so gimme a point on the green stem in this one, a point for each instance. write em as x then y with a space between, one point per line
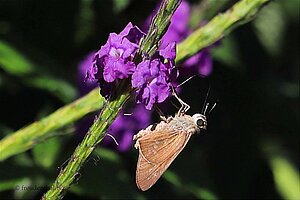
241 13
159 26
36 132
82 152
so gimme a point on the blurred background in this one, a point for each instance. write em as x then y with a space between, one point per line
251 147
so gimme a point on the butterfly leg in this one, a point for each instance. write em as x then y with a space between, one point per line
165 119
161 115
137 145
184 106
169 119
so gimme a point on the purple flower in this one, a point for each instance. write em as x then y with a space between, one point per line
84 86
202 59
115 58
83 66
125 126
169 52
153 78
178 30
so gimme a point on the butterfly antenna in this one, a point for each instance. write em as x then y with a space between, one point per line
185 81
212 108
204 108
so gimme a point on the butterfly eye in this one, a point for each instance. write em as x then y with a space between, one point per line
200 122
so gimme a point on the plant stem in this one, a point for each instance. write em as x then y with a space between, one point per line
36 132
159 26
241 13
82 152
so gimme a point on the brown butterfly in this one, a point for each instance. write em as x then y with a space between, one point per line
160 144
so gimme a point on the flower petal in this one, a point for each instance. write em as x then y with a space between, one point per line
169 52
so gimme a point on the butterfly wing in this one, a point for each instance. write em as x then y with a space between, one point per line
162 143
156 152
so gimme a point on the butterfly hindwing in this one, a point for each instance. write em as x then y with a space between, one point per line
157 152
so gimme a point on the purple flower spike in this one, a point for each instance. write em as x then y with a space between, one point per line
153 78
115 58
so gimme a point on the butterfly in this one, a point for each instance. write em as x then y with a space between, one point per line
160 144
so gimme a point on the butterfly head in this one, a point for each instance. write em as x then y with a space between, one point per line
200 120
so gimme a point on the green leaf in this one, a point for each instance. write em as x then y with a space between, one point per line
120 5
11 184
201 193
14 62
85 21
270 26
46 152
227 53
172 178
23 160
289 89
59 88
286 177
19 189
107 154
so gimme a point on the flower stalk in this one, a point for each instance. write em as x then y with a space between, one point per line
158 27
82 152
37 132
241 13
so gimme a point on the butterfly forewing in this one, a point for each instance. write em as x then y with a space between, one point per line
157 151
157 147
